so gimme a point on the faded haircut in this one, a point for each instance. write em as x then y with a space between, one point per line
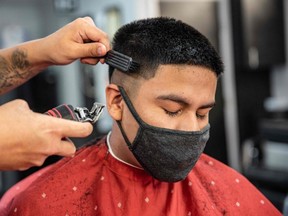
161 41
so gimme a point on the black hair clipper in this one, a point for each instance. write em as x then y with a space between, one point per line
81 114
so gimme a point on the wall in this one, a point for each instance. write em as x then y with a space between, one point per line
279 75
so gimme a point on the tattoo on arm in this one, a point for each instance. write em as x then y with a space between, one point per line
14 70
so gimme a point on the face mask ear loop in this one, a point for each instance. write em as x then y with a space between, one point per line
130 106
124 135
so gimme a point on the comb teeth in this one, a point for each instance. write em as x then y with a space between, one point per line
121 61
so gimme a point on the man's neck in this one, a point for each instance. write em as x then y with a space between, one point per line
118 155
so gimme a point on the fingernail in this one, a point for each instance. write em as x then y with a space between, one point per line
100 50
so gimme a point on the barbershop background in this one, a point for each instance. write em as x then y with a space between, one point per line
250 121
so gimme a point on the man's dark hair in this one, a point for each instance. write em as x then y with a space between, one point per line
160 41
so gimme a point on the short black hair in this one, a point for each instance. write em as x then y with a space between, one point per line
162 40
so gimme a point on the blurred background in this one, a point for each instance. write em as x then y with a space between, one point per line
249 123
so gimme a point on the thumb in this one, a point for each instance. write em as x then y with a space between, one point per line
94 49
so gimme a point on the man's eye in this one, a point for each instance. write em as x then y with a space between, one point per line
202 117
172 114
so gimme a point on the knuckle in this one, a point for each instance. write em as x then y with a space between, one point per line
24 167
89 19
83 21
21 103
39 162
79 20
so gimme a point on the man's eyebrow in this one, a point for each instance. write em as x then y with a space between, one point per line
207 106
175 98
183 101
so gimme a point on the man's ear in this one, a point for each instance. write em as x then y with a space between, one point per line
114 102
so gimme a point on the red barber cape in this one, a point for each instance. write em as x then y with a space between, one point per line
95 183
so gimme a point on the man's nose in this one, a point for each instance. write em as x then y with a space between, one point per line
189 124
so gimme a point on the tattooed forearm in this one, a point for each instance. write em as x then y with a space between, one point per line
14 70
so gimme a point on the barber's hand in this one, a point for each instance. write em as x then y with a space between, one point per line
28 138
78 39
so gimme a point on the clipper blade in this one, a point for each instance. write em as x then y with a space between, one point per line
120 61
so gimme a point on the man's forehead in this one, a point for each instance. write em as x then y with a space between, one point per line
181 83
181 74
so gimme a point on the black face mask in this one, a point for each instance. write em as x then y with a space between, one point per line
167 155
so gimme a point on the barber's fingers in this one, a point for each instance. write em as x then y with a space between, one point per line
95 34
94 53
90 61
95 43
66 128
71 129
91 52
65 148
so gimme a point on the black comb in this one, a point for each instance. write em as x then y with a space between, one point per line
120 61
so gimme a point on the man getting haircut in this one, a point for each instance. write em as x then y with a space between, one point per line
152 160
